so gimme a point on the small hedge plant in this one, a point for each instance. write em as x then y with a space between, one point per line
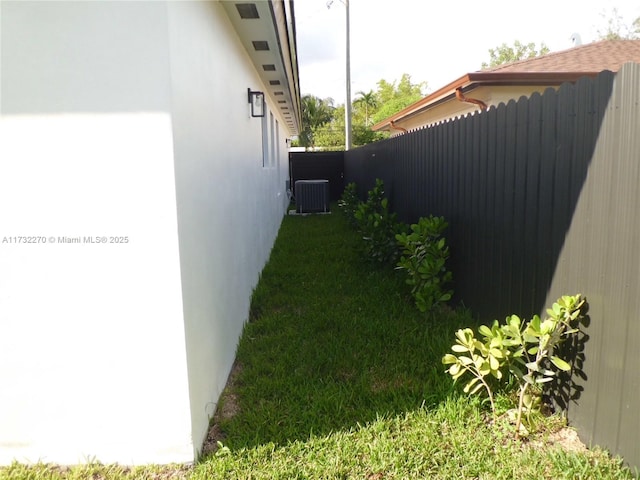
424 255
349 202
526 352
421 252
378 226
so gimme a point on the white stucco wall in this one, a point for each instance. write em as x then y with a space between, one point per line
229 206
124 119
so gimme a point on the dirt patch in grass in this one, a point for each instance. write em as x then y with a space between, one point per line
554 434
565 438
228 407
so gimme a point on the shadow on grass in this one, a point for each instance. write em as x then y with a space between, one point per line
333 341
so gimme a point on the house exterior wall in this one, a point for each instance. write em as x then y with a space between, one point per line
229 204
504 93
124 120
454 108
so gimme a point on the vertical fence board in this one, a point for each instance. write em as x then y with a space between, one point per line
478 184
628 442
562 180
548 159
623 257
532 190
499 224
519 206
489 191
509 220
466 172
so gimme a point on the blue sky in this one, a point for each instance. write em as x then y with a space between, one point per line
436 42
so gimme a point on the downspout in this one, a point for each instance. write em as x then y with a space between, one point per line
393 125
460 96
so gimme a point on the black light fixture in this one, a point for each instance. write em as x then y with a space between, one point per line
256 99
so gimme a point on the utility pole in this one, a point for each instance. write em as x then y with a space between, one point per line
347 102
347 105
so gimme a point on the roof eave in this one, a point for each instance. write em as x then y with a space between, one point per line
474 79
422 104
274 24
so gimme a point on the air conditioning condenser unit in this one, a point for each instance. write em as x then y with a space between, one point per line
312 196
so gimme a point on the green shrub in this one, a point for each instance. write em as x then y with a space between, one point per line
349 202
424 255
378 226
515 350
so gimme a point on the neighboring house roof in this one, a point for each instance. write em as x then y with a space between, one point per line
530 75
593 57
267 31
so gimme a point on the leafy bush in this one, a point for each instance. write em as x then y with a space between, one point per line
378 226
349 202
424 254
526 352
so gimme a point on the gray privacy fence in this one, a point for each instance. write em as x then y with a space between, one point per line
506 180
542 197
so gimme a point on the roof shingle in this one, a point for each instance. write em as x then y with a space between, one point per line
591 57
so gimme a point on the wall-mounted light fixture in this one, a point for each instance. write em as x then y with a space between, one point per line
256 99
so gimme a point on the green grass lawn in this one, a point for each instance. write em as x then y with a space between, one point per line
340 377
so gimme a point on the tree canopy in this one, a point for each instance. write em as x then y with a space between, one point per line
324 124
316 112
519 51
368 101
617 29
395 96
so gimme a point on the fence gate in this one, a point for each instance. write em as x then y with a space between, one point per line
318 166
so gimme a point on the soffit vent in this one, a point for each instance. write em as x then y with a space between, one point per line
247 10
269 68
274 82
260 45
